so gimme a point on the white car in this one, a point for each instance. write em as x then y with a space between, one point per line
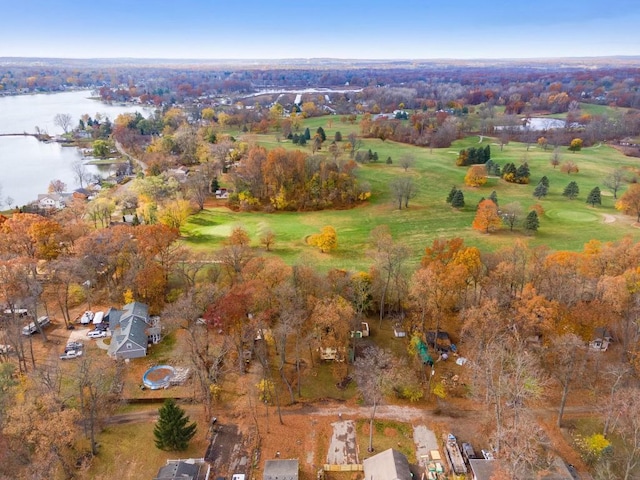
96 334
71 354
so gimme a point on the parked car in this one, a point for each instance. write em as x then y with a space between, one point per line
102 326
96 333
86 317
71 354
74 346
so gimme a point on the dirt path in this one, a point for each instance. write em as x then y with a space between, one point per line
608 218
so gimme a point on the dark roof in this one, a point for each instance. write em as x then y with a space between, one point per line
280 470
178 471
387 465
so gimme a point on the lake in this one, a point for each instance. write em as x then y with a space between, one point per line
29 165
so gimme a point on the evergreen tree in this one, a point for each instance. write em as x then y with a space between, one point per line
531 222
307 134
509 172
487 153
215 185
571 191
494 197
295 139
302 140
540 191
370 155
458 199
389 161
544 181
523 173
375 156
173 430
320 132
338 137
594 197
451 194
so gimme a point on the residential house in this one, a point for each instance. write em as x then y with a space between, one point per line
132 329
601 339
53 201
280 470
481 469
387 465
190 469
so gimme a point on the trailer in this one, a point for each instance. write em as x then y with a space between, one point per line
98 317
31 327
454 456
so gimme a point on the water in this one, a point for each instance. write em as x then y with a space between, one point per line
27 165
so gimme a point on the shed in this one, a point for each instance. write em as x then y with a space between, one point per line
387 465
280 470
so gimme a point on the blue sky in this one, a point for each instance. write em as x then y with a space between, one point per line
247 29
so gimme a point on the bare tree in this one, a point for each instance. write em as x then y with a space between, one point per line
403 189
80 172
374 372
628 429
566 362
406 161
511 214
63 120
614 181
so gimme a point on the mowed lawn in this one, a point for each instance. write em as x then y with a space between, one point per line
565 225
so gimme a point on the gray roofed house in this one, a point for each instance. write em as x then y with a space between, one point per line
178 471
130 328
280 470
387 465
481 469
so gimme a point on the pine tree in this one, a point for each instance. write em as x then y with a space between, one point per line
540 191
375 156
594 197
544 181
487 153
320 131
173 430
532 223
523 173
494 197
215 185
389 161
458 199
452 192
307 134
338 137
571 191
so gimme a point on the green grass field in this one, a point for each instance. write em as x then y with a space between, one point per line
566 224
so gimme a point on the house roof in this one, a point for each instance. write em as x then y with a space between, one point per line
129 328
280 470
178 471
482 469
387 465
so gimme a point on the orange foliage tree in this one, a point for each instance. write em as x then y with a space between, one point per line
487 218
476 176
629 202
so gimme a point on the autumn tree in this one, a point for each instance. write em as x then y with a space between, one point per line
403 189
571 191
594 197
326 240
555 157
629 201
569 167
236 252
406 162
173 430
267 239
56 186
487 219
476 176
575 145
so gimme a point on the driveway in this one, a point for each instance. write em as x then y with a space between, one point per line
80 335
343 449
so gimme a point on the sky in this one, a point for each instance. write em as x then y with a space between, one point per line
279 29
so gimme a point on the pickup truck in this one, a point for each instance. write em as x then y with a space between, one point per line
71 354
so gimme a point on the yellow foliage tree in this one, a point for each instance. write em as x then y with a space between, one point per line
326 240
629 202
476 176
128 296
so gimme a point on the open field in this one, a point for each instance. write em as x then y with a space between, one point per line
565 225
